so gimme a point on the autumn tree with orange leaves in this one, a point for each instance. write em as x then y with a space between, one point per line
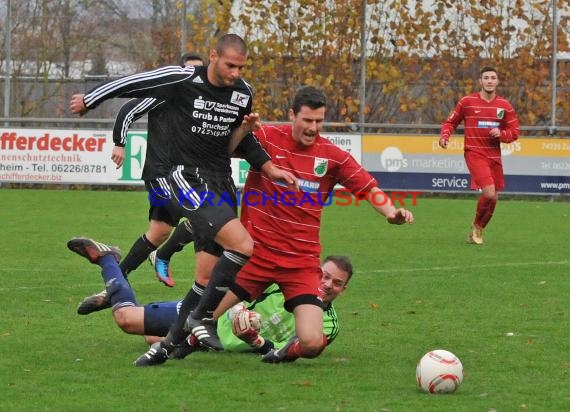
421 56
420 59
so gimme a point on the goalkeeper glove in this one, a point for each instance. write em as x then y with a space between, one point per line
246 325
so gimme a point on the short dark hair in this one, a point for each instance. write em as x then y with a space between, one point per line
487 69
190 56
233 41
343 263
309 96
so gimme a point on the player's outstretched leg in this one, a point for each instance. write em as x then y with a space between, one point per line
199 321
118 291
92 250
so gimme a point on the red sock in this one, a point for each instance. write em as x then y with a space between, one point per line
489 214
295 351
482 210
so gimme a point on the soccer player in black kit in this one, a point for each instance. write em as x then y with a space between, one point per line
155 172
210 112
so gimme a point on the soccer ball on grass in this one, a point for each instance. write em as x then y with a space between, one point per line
439 371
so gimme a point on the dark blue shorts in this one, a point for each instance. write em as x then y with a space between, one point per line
159 316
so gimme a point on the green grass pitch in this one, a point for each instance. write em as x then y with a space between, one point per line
416 288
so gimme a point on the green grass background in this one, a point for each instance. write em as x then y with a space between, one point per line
416 288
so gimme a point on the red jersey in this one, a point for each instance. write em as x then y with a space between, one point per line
480 116
285 224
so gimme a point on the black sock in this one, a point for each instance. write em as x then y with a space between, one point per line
181 236
176 333
137 255
196 294
222 277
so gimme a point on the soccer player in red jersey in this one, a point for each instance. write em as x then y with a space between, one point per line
285 225
488 119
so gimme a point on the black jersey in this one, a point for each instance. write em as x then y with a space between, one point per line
202 115
157 163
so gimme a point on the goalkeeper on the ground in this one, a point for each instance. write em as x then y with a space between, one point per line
258 326
264 323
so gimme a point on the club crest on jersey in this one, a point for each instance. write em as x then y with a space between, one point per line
240 99
320 167
500 113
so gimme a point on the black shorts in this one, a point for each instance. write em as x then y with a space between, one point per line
159 189
208 246
207 200
204 245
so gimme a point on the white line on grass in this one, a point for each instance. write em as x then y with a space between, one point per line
395 271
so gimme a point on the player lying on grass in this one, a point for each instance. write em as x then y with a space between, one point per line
260 326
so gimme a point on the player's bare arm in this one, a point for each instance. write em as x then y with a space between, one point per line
251 122
77 105
118 155
393 216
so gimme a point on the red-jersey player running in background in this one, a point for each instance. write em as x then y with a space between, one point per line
488 119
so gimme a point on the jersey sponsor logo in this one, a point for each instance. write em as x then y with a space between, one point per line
220 110
308 185
197 79
199 103
320 167
240 99
304 184
484 124
500 113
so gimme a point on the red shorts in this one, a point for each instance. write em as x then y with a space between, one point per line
484 171
299 286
